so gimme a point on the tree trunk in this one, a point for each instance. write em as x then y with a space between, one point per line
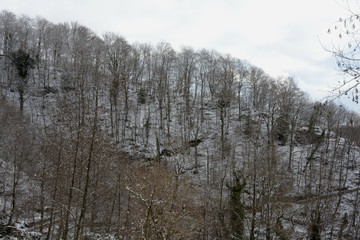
87 176
21 97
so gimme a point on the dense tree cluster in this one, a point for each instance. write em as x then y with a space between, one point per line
135 141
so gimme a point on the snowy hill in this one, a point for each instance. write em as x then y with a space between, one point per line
121 141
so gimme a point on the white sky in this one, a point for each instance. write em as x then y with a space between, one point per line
281 36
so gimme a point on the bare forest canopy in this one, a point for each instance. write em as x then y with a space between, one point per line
104 139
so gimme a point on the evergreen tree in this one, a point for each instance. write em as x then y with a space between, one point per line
22 63
315 227
237 208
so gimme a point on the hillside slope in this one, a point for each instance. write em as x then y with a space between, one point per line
137 141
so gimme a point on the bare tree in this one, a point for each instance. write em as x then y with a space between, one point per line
18 152
344 45
8 23
118 52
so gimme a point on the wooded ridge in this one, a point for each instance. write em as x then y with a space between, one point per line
104 139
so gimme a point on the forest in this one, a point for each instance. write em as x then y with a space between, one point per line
105 139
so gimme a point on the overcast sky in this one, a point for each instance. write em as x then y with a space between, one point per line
280 36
